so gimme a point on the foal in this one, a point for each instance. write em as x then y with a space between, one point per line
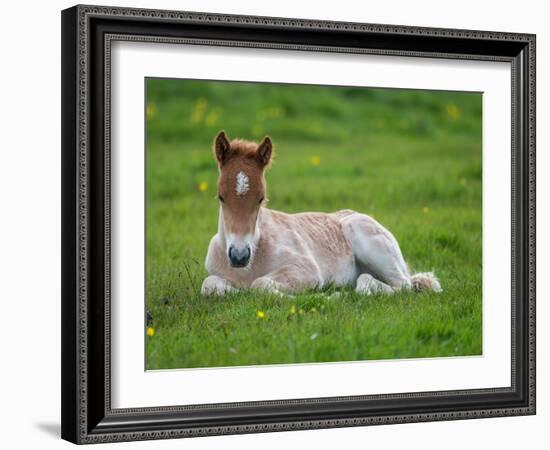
268 250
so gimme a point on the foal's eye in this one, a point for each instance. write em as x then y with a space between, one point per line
220 198
261 200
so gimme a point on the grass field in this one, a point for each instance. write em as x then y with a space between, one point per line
411 159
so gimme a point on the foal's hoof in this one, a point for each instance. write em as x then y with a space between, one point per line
214 285
368 285
269 286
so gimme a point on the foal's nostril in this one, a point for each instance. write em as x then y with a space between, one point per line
239 258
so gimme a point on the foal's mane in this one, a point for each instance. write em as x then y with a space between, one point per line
241 147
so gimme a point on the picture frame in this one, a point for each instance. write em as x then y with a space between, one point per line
87 366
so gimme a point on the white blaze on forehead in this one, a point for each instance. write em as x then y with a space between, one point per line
242 186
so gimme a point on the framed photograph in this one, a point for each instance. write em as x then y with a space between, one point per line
279 224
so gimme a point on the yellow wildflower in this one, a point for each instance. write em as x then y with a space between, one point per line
150 331
260 315
452 111
151 111
199 110
211 118
293 309
315 160
203 186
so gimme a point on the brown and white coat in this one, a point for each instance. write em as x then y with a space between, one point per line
259 248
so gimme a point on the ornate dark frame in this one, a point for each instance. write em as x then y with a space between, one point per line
87 33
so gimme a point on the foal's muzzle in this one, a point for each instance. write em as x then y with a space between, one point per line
239 257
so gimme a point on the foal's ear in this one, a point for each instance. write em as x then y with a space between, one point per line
265 151
222 147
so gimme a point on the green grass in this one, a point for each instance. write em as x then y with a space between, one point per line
411 159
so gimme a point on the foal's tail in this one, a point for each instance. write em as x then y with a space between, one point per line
426 281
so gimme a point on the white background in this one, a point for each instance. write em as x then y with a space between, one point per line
133 387
30 237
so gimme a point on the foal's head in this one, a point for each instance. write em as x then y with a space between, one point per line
241 192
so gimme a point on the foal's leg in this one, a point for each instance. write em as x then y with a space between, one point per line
214 285
378 256
368 285
289 279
